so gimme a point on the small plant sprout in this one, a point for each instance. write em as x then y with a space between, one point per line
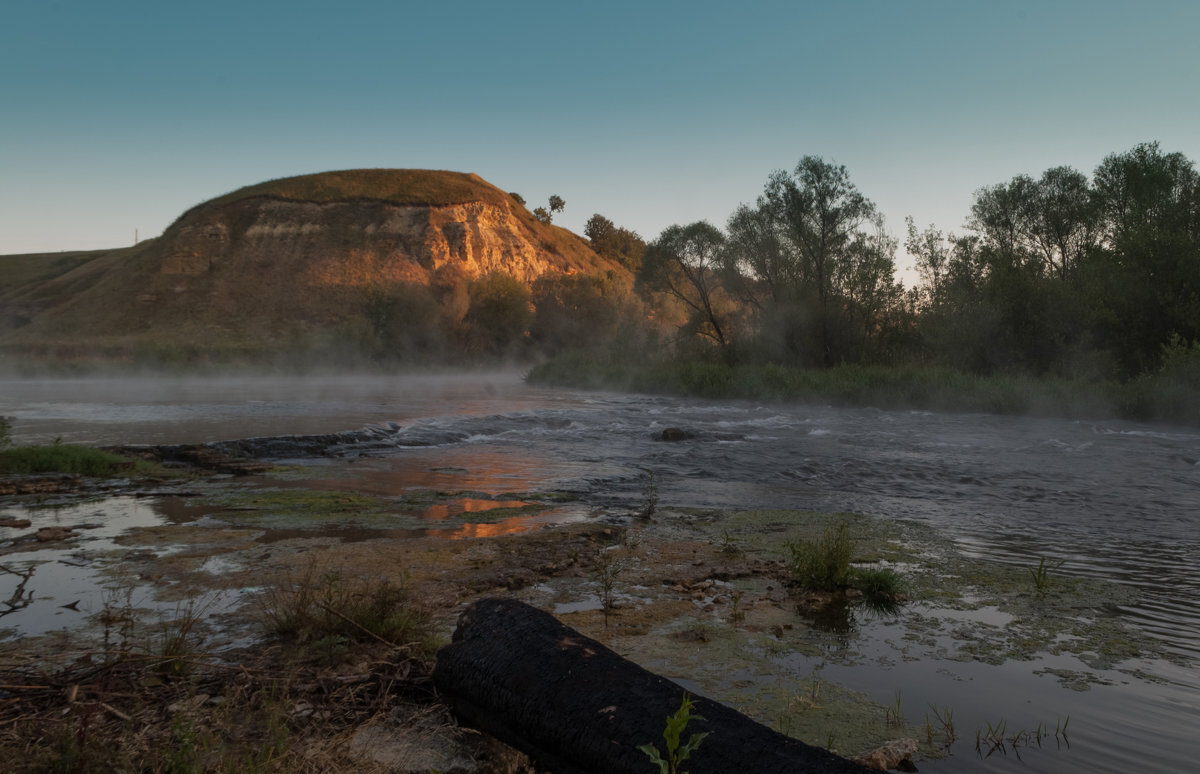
676 753
1041 576
891 713
945 718
649 496
736 613
607 569
729 545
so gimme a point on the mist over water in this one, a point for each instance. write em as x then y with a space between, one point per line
1110 500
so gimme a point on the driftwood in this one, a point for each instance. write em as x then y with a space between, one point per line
576 707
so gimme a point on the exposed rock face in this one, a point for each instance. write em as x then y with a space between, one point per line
287 262
351 243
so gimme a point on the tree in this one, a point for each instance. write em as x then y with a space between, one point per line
542 215
813 256
580 311
1148 282
615 243
556 203
685 263
931 254
500 312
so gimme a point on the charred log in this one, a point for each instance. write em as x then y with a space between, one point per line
576 707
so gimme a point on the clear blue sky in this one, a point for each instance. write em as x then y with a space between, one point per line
116 116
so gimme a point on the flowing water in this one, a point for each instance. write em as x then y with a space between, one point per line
1109 500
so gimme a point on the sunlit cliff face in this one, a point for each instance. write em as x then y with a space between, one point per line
354 244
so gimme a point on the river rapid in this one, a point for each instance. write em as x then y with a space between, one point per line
1107 500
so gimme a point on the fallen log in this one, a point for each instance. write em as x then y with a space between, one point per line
576 707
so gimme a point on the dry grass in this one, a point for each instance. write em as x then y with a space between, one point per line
398 186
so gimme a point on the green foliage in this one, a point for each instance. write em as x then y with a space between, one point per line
499 315
879 583
405 323
64 458
1041 575
677 754
580 312
611 241
813 258
823 564
5 432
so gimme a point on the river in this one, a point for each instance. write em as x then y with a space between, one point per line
1107 500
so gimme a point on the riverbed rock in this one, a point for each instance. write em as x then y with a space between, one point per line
53 534
675 434
897 754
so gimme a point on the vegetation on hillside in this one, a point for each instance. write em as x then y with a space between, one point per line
398 186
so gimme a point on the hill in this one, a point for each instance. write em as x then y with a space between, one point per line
285 265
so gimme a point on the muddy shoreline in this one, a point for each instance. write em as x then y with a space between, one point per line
702 597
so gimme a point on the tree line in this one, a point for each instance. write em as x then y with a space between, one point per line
1062 275
1066 275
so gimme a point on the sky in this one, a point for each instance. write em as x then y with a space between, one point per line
116 117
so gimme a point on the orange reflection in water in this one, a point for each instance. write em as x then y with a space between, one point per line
513 526
441 511
468 469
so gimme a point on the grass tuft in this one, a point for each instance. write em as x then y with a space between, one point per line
332 611
823 564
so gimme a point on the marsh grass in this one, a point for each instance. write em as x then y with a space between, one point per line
878 584
823 564
1041 575
64 458
332 610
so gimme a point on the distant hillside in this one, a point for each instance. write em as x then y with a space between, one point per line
286 264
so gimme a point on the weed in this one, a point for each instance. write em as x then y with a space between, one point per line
332 611
892 716
998 738
1041 576
945 718
676 753
729 545
736 613
607 569
649 496
823 564
179 641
